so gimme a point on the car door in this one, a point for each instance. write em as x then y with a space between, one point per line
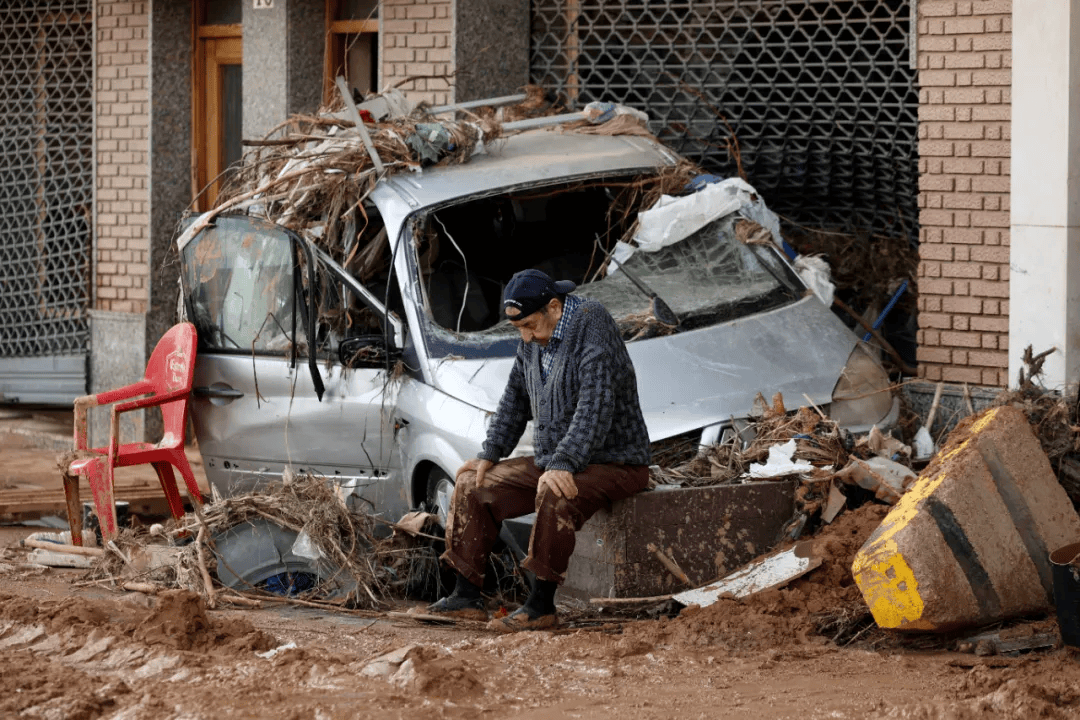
257 407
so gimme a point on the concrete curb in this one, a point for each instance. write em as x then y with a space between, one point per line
42 439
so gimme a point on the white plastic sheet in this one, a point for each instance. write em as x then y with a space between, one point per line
779 463
673 219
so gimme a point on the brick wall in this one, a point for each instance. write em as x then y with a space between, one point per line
964 131
417 40
122 105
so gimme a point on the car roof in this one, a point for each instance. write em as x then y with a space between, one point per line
539 157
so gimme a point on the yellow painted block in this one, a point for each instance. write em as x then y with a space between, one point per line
966 544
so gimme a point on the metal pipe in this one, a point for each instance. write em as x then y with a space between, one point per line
469 105
543 121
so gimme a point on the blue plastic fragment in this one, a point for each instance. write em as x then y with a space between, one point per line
701 181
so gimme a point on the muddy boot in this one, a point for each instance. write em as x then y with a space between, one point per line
538 612
465 603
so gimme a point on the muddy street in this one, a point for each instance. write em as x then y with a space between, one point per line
78 650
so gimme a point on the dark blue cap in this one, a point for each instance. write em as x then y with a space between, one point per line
530 290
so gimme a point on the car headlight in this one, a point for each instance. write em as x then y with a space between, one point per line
862 396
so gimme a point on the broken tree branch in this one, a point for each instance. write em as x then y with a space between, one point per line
630 600
69 549
669 563
201 557
932 415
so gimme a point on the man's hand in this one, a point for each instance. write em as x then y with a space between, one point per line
560 482
479 466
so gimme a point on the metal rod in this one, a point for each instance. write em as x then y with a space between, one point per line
354 114
490 102
543 121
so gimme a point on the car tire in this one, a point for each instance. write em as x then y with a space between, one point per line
440 488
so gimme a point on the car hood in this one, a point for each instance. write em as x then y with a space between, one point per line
706 376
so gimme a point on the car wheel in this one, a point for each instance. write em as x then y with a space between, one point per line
439 491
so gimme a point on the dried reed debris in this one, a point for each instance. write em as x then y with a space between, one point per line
375 569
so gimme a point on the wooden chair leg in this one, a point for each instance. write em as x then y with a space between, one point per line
104 503
74 507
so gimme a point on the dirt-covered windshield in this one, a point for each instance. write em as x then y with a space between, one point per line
468 252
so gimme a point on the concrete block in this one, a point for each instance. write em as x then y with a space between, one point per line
969 544
709 531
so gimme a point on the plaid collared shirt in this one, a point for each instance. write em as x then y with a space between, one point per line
548 352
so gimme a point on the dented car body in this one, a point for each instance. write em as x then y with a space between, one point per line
385 379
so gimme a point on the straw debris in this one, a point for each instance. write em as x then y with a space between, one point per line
1054 418
379 568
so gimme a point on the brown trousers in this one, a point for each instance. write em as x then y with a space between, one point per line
509 491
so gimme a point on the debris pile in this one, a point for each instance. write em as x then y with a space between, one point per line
805 444
1054 419
873 275
351 566
312 173
822 602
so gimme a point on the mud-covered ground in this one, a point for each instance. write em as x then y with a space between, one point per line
82 651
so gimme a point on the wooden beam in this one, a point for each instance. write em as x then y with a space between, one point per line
354 27
219 31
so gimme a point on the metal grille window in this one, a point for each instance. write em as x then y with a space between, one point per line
819 93
46 178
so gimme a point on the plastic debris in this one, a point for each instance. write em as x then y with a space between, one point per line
280 649
780 463
601 112
429 142
817 276
765 573
888 480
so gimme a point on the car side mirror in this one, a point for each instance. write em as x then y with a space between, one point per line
366 351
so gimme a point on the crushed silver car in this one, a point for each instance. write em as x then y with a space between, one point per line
385 379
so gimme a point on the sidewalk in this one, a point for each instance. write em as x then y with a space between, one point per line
44 429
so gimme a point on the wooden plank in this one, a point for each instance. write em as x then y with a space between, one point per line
354 27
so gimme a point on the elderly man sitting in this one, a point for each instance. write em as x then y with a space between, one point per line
572 375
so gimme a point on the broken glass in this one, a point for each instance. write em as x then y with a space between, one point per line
238 276
467 253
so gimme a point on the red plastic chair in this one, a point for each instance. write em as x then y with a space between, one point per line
168 382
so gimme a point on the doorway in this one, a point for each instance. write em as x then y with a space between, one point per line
218 96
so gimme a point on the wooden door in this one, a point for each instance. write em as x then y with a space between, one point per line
219 104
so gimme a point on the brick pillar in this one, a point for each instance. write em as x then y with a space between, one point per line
122 106
964 57
121 216
1046 188
417 40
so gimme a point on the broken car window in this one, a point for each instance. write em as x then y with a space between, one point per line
467 252
239 280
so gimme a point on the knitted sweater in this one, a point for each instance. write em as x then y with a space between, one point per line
587 412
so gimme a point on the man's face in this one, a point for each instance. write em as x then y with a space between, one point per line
538 326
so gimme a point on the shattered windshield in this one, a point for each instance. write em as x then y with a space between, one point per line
703 276
238 279
468 252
